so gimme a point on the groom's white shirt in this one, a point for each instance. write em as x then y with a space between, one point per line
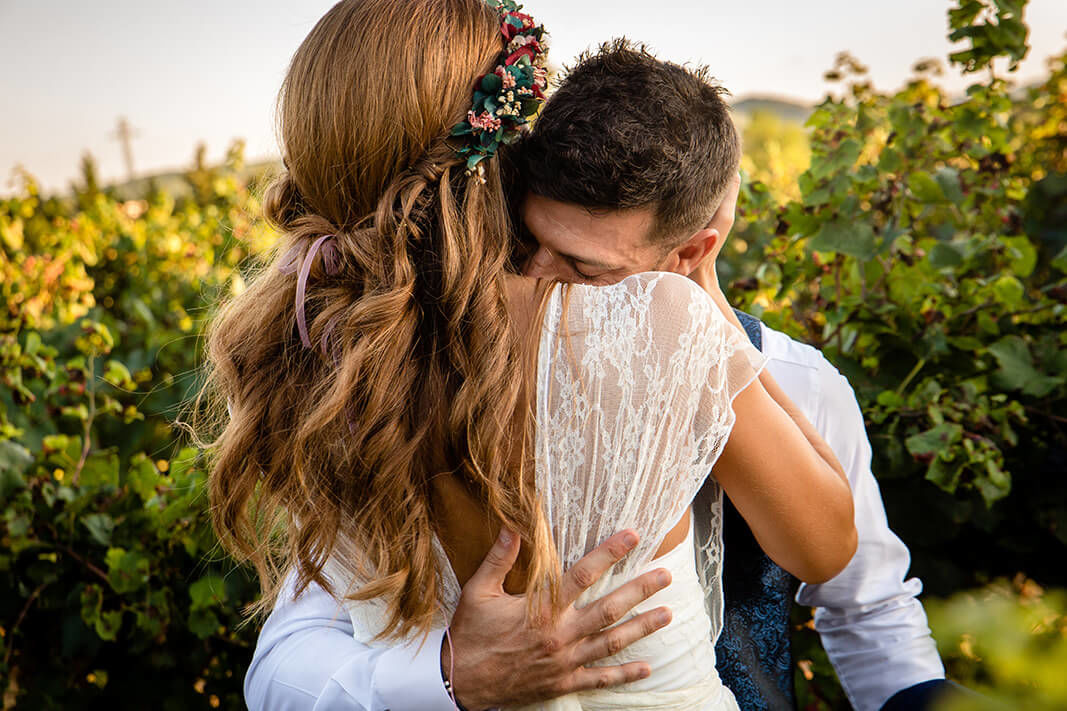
868 617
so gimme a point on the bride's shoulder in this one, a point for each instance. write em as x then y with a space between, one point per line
663 292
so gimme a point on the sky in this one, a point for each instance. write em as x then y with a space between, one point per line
209 71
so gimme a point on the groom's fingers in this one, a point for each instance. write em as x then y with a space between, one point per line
497 564
613 607
607 677
594 564
614 640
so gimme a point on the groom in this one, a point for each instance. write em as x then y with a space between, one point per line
625 166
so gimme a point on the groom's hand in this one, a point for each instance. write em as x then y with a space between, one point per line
502 658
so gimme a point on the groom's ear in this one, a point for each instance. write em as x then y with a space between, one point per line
686 257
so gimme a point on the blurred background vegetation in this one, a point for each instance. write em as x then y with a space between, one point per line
919 239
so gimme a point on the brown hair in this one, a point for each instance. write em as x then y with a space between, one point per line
627 130
333 456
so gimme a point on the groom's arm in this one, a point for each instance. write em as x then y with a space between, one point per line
870 622
307 659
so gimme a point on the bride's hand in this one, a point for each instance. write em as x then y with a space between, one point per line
504 659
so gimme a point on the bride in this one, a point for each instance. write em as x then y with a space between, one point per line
399 394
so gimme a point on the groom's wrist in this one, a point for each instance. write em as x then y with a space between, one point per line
447 667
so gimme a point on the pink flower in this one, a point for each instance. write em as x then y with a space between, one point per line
506 79
540 77
483 122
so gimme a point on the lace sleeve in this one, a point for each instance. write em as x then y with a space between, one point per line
635 389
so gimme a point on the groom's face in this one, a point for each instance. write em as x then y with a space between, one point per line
572 243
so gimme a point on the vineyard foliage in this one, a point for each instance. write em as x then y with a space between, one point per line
923 248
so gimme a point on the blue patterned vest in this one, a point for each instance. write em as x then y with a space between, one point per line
753 654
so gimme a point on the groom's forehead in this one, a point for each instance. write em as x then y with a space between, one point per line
555 220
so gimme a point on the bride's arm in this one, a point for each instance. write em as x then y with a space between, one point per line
781 475
787 484
779 396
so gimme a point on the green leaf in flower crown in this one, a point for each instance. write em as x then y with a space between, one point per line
462 129
491 83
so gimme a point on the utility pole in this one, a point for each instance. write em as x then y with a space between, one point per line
123 134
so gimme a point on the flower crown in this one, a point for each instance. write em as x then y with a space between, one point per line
506 98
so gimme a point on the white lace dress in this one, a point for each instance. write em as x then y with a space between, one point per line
635 383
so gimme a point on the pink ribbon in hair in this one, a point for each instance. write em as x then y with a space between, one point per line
331 261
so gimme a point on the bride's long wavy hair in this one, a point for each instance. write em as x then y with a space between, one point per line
332 454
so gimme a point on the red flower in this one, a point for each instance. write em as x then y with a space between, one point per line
530 50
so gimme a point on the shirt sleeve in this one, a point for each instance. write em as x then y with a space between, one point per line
307 659
868 617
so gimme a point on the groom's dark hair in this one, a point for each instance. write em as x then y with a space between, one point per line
627 130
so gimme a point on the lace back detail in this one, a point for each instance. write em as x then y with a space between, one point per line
635 385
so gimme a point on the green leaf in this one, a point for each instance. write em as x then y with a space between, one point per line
1022 254
853 238
1060 261
944 473
80 412
208 591
118 375
142 477
33 343
127 570
101 470
1009 291
944 256
108 624
203 623
14 460
891 399
1017 370
183 466
491 83
934 441
995 485
925 188
948 179
100 527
